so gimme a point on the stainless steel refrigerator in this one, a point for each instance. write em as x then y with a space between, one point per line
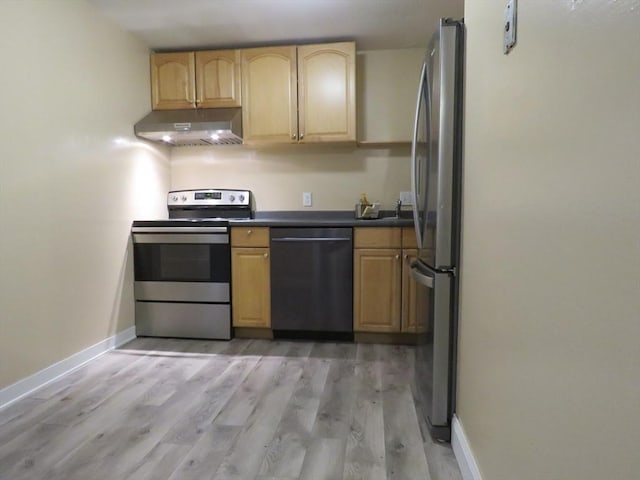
436 179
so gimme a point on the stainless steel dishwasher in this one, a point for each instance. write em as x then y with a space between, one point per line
312 282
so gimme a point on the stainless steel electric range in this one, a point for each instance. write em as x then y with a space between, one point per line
182 266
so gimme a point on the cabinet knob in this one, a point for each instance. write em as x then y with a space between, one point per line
398 257
266 255
294 136
249 232
406 256
301 136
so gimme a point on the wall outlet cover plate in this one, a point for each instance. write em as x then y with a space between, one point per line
406 198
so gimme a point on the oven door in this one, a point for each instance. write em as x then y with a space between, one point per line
182 267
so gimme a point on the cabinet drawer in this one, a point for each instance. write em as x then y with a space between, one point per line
377 237
250 236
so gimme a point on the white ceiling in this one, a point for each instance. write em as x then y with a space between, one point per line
192 24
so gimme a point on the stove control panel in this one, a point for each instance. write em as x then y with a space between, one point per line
209 197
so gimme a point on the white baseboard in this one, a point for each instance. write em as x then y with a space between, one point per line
462 451
39 379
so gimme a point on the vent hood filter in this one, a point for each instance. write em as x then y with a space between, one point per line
211 126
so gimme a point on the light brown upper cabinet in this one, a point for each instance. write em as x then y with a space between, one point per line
172 80
303 94
206 79
269 90
327 92
218 78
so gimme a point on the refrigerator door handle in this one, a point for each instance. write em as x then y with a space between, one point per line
420 277
415 173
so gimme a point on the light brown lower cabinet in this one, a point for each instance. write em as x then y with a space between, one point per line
250 278
251 289
386 298
377 283
414 306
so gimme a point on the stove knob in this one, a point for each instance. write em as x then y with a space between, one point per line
232 198
241 198
174 198
183 198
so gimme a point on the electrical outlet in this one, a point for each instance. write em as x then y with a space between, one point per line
306 199
406 198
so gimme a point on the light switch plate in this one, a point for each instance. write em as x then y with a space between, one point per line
306 199
510 25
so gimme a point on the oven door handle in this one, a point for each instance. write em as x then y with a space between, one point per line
187 238
179 229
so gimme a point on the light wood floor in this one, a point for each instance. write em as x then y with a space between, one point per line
159 409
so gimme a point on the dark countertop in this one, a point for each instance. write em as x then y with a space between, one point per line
318 218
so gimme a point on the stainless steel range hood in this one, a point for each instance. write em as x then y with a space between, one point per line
204 126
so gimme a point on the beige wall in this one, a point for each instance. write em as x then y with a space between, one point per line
71 180
549 358
336 176
387 83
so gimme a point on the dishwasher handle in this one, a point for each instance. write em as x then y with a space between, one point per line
311 239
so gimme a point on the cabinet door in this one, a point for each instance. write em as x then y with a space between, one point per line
172 80
377 283
269 95
327 92
251 287
414 302
218 78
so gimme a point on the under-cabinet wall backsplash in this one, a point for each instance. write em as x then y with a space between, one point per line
335 175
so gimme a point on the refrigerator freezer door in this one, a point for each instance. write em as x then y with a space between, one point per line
433 363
